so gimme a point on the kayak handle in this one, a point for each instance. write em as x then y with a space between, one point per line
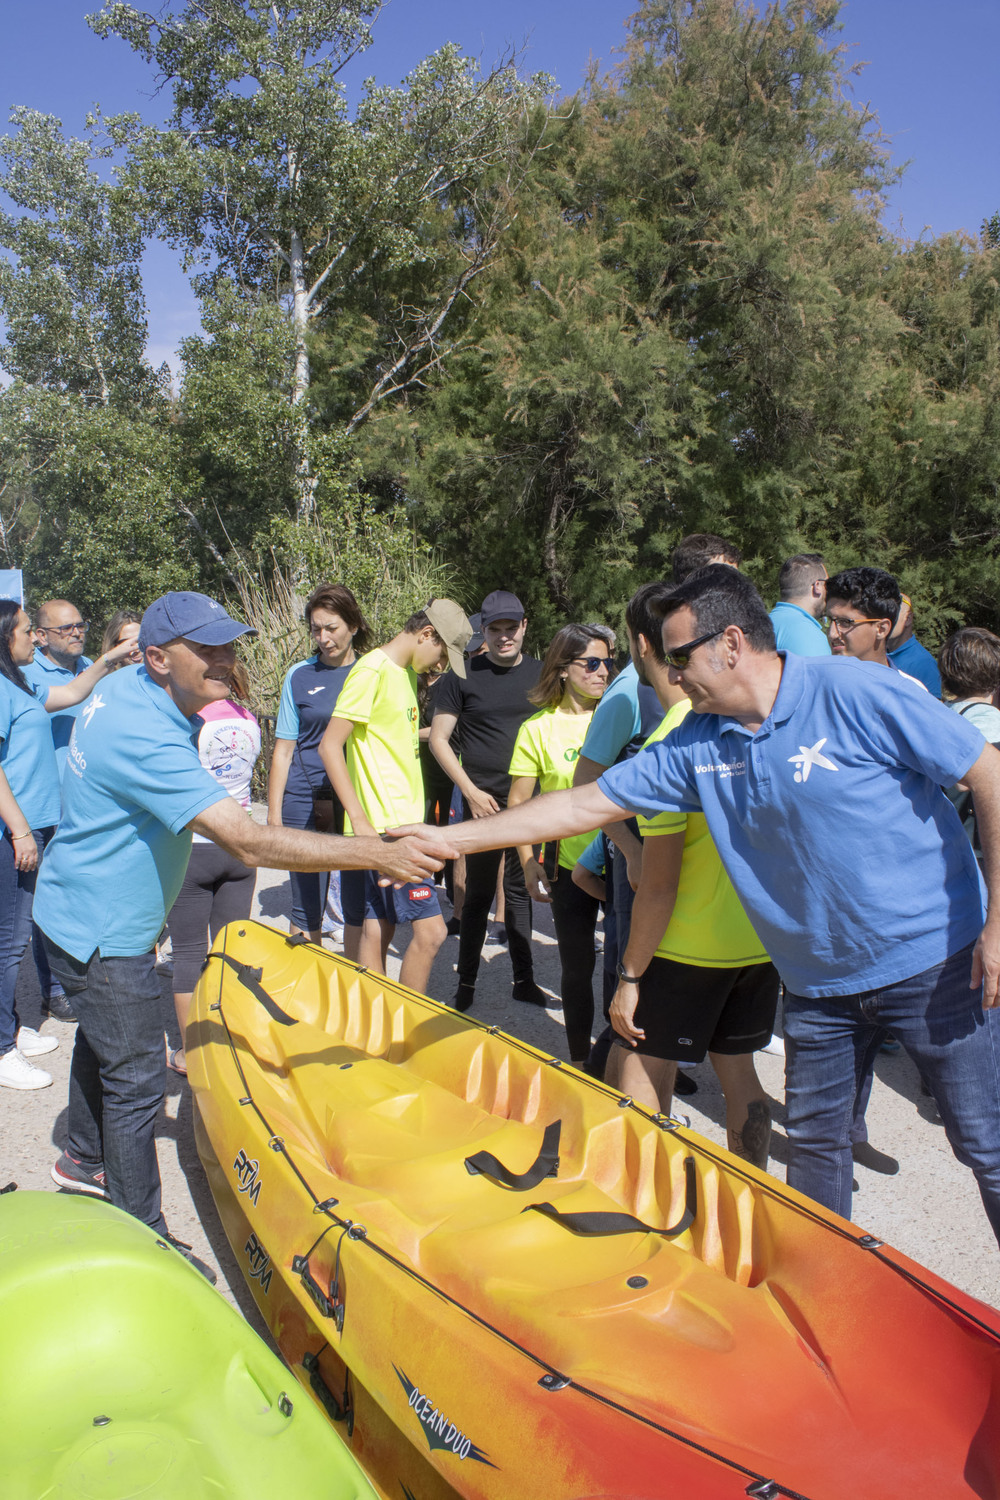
310 1363
599 1223
300 1268
546 1163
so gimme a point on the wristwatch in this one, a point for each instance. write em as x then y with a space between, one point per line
628 978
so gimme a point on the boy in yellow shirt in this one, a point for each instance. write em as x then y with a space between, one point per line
371 751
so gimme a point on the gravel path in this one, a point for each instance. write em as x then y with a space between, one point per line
930 1210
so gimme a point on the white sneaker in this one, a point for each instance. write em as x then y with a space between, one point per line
31 1043
775 1047
16 1072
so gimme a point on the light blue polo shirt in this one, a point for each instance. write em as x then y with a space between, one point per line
27 758
132 783
796 630
628 711
46 674
849 859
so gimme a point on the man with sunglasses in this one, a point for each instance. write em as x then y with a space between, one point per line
821 785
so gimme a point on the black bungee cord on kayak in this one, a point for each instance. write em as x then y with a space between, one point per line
761 1487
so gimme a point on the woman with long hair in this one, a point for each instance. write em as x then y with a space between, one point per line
575 672
29 811
218 888
123 626
299 794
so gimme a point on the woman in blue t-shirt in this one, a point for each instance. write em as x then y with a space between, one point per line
29 811
299 794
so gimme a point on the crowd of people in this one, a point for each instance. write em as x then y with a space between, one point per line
760 823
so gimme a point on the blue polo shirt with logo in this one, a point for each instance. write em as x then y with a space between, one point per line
830 820
133 781
45 674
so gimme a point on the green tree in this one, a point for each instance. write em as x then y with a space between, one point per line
684 331
71 296
262 176
87 473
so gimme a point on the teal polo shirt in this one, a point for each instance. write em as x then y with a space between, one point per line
27 757
796 630
133 781
45 674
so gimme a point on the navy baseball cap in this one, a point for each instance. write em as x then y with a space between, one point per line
501 605
195 617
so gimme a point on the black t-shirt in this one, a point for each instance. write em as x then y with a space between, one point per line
491 704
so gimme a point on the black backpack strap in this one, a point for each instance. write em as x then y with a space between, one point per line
598 1223
250 979
546 1163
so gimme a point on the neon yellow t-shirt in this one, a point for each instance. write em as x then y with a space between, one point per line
548 748
708 927
383 751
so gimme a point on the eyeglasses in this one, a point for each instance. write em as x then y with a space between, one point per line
78 627
681 658
593 663
844 627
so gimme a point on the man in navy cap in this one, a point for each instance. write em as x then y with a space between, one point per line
133 792
487 708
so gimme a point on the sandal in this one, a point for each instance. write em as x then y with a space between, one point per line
172 1063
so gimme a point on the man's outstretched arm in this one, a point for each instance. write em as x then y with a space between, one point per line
983 780
556 815
226 823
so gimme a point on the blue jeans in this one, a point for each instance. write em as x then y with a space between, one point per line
17 892
118 1074
830 1044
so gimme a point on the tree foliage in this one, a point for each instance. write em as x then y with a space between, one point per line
543 340
679 336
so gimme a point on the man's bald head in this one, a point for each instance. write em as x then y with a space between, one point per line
62 632
51 612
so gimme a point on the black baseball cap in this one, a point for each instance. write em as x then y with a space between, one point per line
501 605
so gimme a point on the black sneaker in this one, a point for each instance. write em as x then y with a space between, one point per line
529 993
684 1085
190 1256
68 1173
59 1008
867 1155
453 926
464 996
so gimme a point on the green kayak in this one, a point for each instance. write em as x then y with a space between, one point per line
123 1374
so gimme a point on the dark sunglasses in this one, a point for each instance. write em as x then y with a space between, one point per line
593 663
681 658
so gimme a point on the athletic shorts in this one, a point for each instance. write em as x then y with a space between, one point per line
362 896
687 1011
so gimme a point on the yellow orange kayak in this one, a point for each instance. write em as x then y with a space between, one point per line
503 1279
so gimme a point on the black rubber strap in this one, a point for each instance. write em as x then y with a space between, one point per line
250 979
613 1223
546 1163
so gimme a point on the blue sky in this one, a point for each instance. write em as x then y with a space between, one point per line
931 77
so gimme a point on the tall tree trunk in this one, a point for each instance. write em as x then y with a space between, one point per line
305 480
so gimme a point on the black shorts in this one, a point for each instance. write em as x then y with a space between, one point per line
687 1011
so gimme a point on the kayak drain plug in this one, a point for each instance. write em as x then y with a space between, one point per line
101 1421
